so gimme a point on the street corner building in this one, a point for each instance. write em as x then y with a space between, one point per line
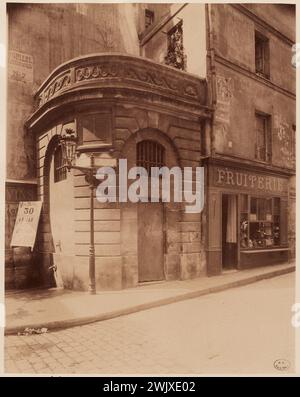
187 85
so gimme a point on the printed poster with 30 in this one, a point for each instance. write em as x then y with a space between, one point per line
24 233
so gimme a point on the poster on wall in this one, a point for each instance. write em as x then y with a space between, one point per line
25 229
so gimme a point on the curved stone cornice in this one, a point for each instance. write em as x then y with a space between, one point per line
119 71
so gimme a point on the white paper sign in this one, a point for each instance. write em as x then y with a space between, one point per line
24 233
20 67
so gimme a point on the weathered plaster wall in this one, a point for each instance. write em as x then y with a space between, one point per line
240 92
239 96
47 35
234 40
284 25
194 35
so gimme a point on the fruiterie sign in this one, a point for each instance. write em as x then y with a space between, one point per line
24 233
231 178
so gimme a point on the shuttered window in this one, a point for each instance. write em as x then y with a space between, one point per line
263 137
262 58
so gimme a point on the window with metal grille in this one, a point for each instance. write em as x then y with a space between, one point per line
175 54
150 154
149 18
262 63
263 137
60 171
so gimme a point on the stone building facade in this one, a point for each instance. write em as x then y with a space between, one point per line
145 78
252 163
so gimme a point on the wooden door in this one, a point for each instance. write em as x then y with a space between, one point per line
150 242
229 231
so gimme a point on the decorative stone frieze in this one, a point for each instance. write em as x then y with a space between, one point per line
121 71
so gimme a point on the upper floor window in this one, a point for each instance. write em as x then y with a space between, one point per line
95 128
262 55
150 154
149 18
263 137
175 54
60 171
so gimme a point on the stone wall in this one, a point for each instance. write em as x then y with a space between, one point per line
154 40
43 36
240 91
115 223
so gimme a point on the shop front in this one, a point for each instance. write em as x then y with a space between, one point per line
247 217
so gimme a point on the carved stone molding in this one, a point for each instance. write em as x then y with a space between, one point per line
119 71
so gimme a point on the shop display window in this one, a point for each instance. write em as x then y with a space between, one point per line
259 222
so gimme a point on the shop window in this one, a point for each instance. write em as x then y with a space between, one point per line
175 54
60 171
150 154
263 137
259 222
149 18
262 61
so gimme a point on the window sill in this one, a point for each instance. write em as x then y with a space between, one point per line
255 251
263 76
267 162
88 147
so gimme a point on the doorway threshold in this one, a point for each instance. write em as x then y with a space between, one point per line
228 271
143 283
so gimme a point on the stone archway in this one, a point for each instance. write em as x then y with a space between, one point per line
57 219
45 236
150 227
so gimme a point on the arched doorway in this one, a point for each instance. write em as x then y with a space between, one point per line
59 214
151 238
150 231
61 197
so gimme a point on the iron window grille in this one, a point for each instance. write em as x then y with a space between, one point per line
150 154
60 170
175 54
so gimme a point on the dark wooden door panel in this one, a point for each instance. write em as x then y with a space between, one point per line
150 242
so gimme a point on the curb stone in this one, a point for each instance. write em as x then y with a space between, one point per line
72 322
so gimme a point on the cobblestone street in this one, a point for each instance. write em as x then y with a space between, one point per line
239 330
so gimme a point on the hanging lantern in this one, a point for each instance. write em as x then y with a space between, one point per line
68 142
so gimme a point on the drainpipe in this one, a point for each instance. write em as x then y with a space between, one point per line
209 123
211 74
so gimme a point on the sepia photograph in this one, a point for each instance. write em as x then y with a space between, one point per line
150 190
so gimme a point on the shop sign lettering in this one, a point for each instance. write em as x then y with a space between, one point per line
245 180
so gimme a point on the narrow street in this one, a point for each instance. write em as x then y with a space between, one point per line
242 330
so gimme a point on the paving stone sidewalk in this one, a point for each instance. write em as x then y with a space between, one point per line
58 308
